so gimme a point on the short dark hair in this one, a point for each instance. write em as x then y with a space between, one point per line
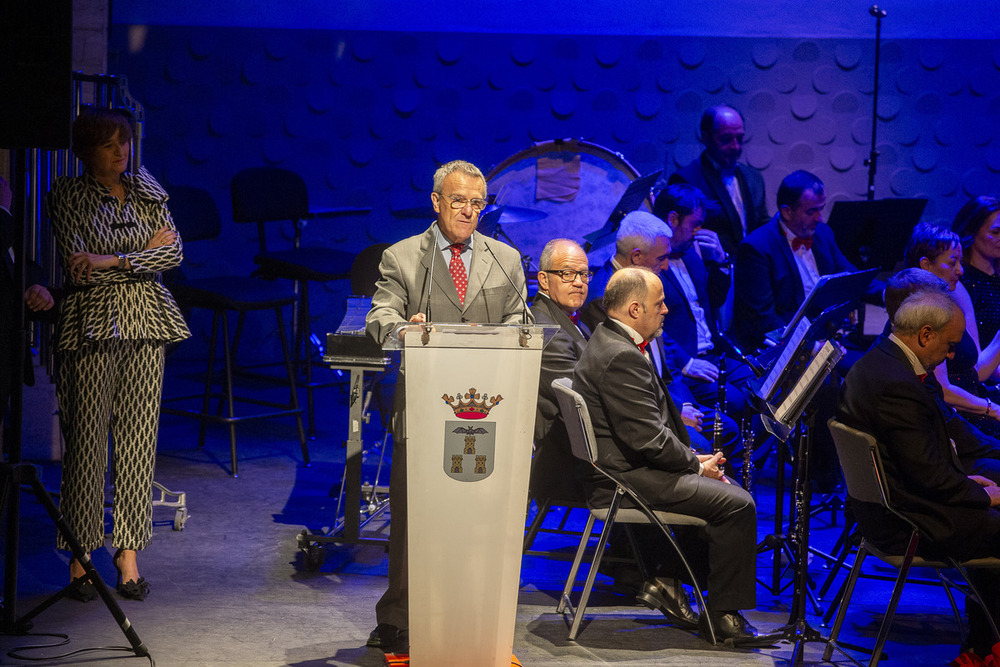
626 285
683 198
706 127
930 241
971 218
791 188
907 282
96 126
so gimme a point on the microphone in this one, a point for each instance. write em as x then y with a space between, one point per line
876 12
430 274
754 365
524 315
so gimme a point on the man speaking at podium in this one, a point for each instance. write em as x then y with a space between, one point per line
450 274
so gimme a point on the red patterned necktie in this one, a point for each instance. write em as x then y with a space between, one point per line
802 243
457 270
574 317
642 346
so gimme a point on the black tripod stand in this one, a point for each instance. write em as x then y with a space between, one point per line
13 476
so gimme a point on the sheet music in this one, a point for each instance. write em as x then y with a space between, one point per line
806 386
767 389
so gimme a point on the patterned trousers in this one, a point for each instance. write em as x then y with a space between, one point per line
110 387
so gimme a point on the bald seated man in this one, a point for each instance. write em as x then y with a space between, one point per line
640 437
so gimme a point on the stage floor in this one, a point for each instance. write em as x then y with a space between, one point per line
232 588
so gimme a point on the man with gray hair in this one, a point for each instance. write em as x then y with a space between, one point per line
885 395
644 241
641 439
449 274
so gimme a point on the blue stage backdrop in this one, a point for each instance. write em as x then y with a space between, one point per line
366 115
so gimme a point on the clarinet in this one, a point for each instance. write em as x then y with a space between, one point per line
720 406
746 429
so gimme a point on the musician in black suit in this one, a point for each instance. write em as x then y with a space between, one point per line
644 240
641 438
737 204
883 395
696 281
562 289
779 263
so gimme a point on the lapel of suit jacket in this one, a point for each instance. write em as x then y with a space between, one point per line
675 284
577 332
699 276
784 251
714 179
443 281
890 348
669 413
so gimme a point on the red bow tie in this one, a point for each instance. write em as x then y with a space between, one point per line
642 346
802 243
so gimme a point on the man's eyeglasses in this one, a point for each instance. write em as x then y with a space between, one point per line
459 202
568 276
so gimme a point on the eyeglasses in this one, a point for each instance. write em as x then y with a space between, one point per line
459 202
568 276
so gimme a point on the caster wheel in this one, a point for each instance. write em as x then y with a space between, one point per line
314 555
180 518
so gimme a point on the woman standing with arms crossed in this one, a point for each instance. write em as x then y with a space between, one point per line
115 237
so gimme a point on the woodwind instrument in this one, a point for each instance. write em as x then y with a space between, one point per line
746 430
720 407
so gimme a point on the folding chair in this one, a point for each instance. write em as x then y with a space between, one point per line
862 465
576 416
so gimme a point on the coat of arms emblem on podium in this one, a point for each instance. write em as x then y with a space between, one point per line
470 442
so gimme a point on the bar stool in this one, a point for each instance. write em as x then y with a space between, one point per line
197 218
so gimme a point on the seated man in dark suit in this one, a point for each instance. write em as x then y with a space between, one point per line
737 205
779 263
883 395
643 240
695 284
641 438
979 452
562 289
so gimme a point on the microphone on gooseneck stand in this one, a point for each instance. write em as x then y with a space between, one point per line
435 251
524 315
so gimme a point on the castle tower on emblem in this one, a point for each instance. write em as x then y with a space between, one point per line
468 449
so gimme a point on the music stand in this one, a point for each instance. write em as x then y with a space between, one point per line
636 193
489 225
784 399
873 234
830 290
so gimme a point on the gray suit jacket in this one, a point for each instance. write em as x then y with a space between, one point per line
406 280
639 431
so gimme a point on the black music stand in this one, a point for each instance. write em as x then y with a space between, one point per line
636 193
489 225
873 234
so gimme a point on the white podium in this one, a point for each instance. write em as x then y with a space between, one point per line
471 392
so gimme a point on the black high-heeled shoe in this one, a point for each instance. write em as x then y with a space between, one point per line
84 592
131 589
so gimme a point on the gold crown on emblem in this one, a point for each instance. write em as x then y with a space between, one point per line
471 405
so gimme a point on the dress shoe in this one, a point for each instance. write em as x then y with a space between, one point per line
669 598
389 638
131 589
728 626
85 592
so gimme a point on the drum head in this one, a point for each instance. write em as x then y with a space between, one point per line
584 206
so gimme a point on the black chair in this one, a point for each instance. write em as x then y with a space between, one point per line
576 416
263 195
862 465
197 219
364 270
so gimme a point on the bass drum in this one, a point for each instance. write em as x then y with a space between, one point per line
530 222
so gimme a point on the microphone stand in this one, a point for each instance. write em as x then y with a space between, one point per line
872 160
